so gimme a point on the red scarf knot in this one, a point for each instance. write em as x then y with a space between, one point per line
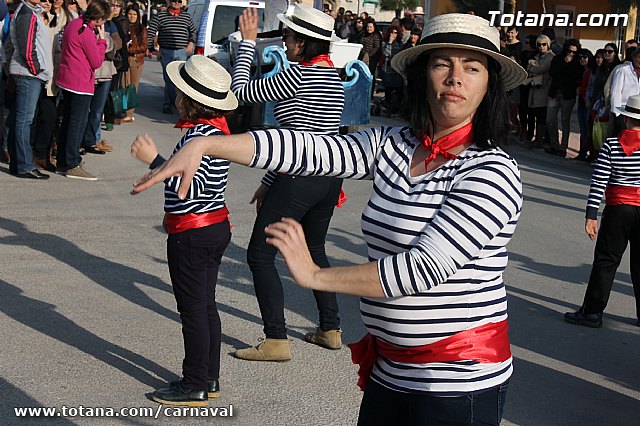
630 141
462 136
320 58
174 12
219 123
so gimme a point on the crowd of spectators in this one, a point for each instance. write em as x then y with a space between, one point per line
60 60
561 75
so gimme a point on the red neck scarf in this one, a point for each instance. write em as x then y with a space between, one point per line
219 123
442 146
630 141
319 58
174 12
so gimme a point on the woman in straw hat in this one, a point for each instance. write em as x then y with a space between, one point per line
445 202
617 179
309 97
197 224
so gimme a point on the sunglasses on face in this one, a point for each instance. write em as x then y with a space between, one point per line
115 5
609 51
571 52
541 44
176 1
583 56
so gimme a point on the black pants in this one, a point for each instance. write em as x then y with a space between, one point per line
45 126
309 200
540 114
74 122
620 224
383 406
194 259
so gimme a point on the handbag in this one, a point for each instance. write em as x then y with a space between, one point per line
116 97
130 99
598 133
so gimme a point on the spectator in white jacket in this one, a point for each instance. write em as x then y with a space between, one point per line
625 82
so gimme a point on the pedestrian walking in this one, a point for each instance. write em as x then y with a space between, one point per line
616 177
445 202
177 39
198 226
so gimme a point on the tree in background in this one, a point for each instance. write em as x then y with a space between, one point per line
399 5
482 7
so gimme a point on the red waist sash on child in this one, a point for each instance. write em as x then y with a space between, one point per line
174 223
629 195
487 343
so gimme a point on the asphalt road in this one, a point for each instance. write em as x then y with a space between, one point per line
87 316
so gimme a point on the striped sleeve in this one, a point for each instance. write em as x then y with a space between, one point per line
202 180
152 31
346 156
482 202
599 181
283 85
26 28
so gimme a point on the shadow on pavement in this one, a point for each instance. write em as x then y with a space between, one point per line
42 317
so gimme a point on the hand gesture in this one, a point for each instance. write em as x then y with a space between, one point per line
288 237
189 49
144 149
183 163
259 196
392 37
249 24
591 226
100 29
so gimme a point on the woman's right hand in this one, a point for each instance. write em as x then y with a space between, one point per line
591 226
183 163
259 196
100 29
249 24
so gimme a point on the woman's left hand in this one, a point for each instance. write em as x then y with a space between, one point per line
288 237
249 24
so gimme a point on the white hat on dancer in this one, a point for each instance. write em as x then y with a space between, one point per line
309 21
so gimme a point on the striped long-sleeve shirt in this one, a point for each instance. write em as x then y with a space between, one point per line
206 192
439 240
174 32
613 168
309 98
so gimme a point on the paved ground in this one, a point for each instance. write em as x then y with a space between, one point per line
87 316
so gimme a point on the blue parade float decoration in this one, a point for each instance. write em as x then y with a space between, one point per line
357 88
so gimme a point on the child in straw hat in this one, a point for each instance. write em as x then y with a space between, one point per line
198 226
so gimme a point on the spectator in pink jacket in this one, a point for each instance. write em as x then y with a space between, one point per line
83 48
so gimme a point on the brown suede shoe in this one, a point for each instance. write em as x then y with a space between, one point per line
331 339
104 146
267 350
43 164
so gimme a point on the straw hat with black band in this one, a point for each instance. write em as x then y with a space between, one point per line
309 21
462 31
203 80
632 108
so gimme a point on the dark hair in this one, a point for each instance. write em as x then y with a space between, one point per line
193 110
390 28
632 122
549 32
629 53
531 39
136 29
512 27
311 47
490 121
97 9
631 41
571 42
591 64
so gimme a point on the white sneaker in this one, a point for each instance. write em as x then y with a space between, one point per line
79 173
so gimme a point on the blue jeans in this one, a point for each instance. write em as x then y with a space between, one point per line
74 122
20 121
383 406
92 131
169 56
585 129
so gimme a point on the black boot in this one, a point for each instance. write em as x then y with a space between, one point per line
179 395
580 318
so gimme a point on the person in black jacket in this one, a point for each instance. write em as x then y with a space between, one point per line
566 74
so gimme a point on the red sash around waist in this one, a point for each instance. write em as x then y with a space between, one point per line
629 195
174 223
488 343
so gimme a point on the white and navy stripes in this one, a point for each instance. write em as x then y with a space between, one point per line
309 98
439 240
174 32
206 192
613 168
